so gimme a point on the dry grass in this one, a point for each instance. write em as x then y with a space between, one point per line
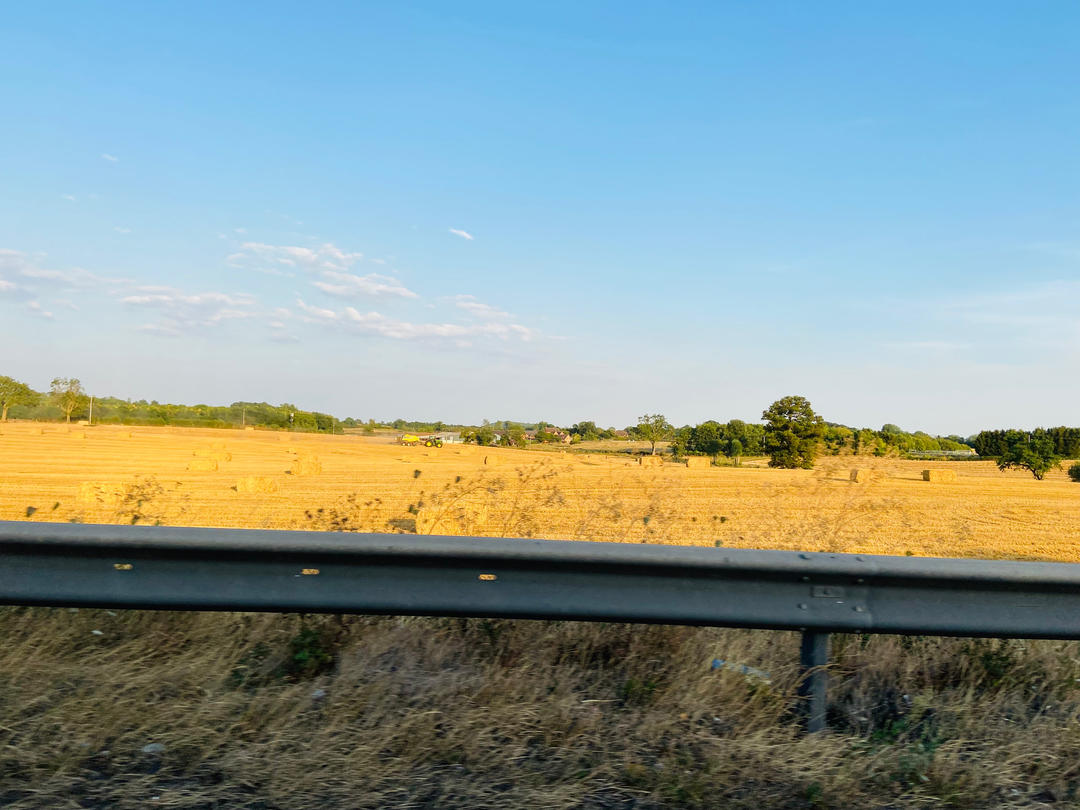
213 453
97 493
302 713
311 712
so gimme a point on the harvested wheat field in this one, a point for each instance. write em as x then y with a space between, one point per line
134 709
190 477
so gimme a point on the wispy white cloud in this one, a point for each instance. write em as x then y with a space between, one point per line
68 197
374 284
173 311
75 278
328 263
118 229
462 234
375 323
109 158
182 313
929 345
36 308
477 309
316 313
11 262
325 257
41 280
170 296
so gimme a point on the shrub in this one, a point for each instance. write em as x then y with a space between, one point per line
1074 472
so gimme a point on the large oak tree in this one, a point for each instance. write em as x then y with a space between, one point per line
792 433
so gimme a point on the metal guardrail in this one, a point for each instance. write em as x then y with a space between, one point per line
288 571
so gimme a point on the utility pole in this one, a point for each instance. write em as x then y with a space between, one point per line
91 419
243 416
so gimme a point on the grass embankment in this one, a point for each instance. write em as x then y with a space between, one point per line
205 711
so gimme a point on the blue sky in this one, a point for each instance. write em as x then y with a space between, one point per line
565 211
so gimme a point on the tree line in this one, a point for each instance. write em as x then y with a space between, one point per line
1037 451
67 399
1063 441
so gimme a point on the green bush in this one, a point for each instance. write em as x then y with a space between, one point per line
1074 472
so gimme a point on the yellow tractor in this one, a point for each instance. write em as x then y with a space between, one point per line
412 440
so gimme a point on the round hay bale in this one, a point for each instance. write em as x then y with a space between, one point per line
939 476
861 476
202 465
257 484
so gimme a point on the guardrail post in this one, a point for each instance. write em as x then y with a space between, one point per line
814 657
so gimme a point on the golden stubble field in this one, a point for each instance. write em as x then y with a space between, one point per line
134 709
260 479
